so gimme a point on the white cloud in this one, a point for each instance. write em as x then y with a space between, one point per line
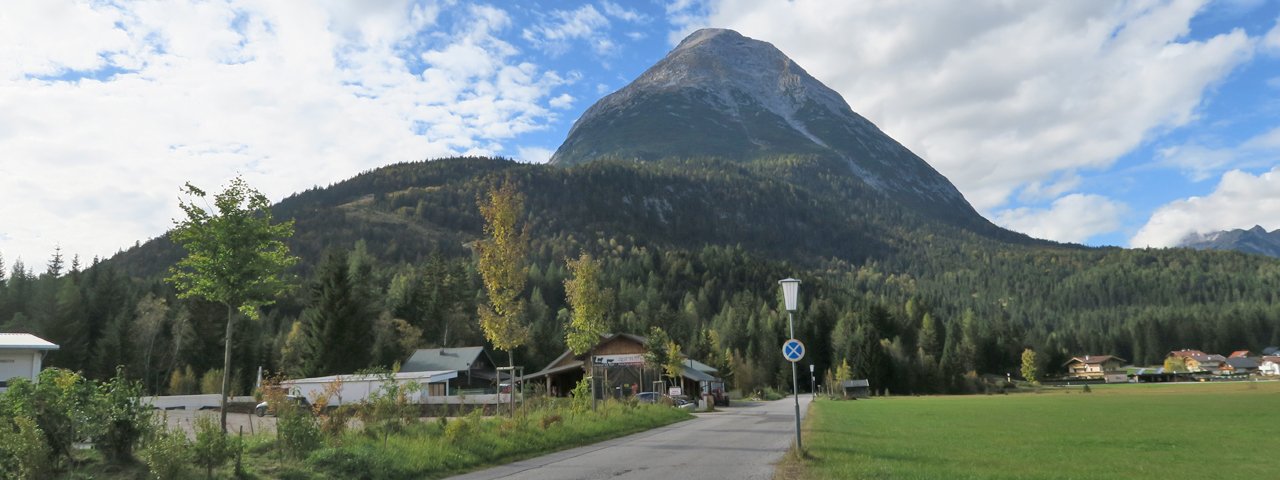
533 154
555 33
562 101
1271 42
198 91
622 13
1073 218
1199 162
1240 200
998 95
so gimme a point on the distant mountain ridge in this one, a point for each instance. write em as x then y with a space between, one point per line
1255 240
721 94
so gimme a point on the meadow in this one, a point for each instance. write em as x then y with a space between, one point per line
1156 431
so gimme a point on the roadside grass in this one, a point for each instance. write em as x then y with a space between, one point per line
422 449
1157 431
435 449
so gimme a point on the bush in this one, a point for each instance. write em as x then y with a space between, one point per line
125 419
24 453
211 381
183 381
166 453
212 447
63 405
298 431
581 396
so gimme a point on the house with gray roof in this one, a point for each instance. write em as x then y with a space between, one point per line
1240 366
475 367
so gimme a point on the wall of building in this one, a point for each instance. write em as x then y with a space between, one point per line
19 363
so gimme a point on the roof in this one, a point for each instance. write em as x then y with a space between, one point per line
1095 359
429 377
1271 351
1213 358
1185 353
24 341
442 359
1272 359
695 375
855 383
1242 362
549 370
1241 353
702 367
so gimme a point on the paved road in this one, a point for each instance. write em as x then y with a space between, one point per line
740 442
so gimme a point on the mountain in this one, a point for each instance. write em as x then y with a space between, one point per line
1254 240
722 169
721 94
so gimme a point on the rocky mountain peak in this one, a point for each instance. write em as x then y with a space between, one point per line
721 94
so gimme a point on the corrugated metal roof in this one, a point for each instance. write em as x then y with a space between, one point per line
439 359
695 375
24 341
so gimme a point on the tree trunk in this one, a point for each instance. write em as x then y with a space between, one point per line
511 380
226 369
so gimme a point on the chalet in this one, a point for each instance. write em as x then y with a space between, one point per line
1100 367
1270 365
476 370
1240 366
1209 363
617 362
21 356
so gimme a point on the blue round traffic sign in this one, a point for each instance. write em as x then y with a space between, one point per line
792 350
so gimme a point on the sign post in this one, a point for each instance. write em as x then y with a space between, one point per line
792 349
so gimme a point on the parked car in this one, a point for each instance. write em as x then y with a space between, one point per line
656 397
263 408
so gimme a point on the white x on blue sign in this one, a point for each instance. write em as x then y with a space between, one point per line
793 350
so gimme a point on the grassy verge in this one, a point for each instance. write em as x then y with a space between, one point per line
429 449
1156 431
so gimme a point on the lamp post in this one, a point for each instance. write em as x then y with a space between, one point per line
790 292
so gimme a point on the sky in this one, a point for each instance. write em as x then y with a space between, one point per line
1127 123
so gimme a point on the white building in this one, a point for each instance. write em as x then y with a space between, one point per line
21 356
1270 366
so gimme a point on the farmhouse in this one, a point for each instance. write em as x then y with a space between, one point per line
475 368
617 364
1099 367
21 356
1209 363
1240 366
1270 366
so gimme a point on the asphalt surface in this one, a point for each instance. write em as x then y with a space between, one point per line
739 442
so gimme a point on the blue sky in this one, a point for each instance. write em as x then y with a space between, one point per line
1107 123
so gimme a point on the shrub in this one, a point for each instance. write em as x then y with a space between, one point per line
297 429
183 381
166 453
211 381
212 447
550 420
387 410
63 405
1086 389
581 396
125 419
24 453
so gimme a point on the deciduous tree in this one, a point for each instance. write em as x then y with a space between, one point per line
236 256
587 302
503 268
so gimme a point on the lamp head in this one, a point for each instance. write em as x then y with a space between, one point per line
790 292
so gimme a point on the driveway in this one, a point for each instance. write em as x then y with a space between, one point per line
737 442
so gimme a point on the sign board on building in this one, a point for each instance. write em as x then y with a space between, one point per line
673 391
623 359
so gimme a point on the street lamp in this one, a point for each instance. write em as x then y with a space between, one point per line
790 292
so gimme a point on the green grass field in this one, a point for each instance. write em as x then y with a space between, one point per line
1157 431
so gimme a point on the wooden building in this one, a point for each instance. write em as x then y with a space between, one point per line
617 365
1095 367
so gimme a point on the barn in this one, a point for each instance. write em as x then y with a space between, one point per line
21 356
